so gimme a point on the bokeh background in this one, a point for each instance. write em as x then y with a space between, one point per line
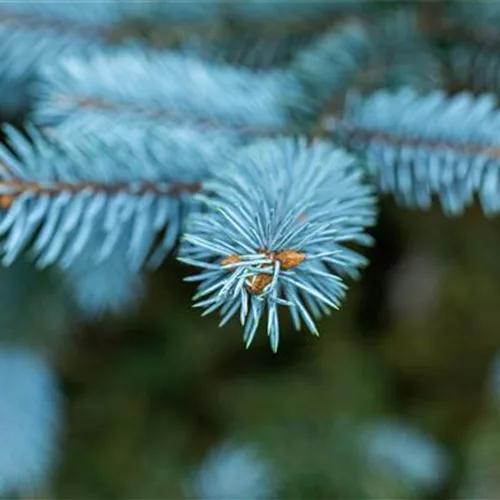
398 398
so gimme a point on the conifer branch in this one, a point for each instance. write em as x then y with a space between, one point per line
89 94
390 53
277 231
419 146
55 198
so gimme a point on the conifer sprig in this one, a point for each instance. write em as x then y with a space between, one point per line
169 88
59 198
277 232
418 146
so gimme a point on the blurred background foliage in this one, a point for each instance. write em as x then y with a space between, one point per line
398 398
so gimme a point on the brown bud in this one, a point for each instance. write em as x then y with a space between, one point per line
290 258
6 200
259 282
230 259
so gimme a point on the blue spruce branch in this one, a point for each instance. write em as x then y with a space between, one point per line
403 57
357 54
141 87
101 208
329 65
277 232
470 35
273 33
36 33
60 200
418 146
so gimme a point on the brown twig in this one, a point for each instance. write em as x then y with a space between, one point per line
16 188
